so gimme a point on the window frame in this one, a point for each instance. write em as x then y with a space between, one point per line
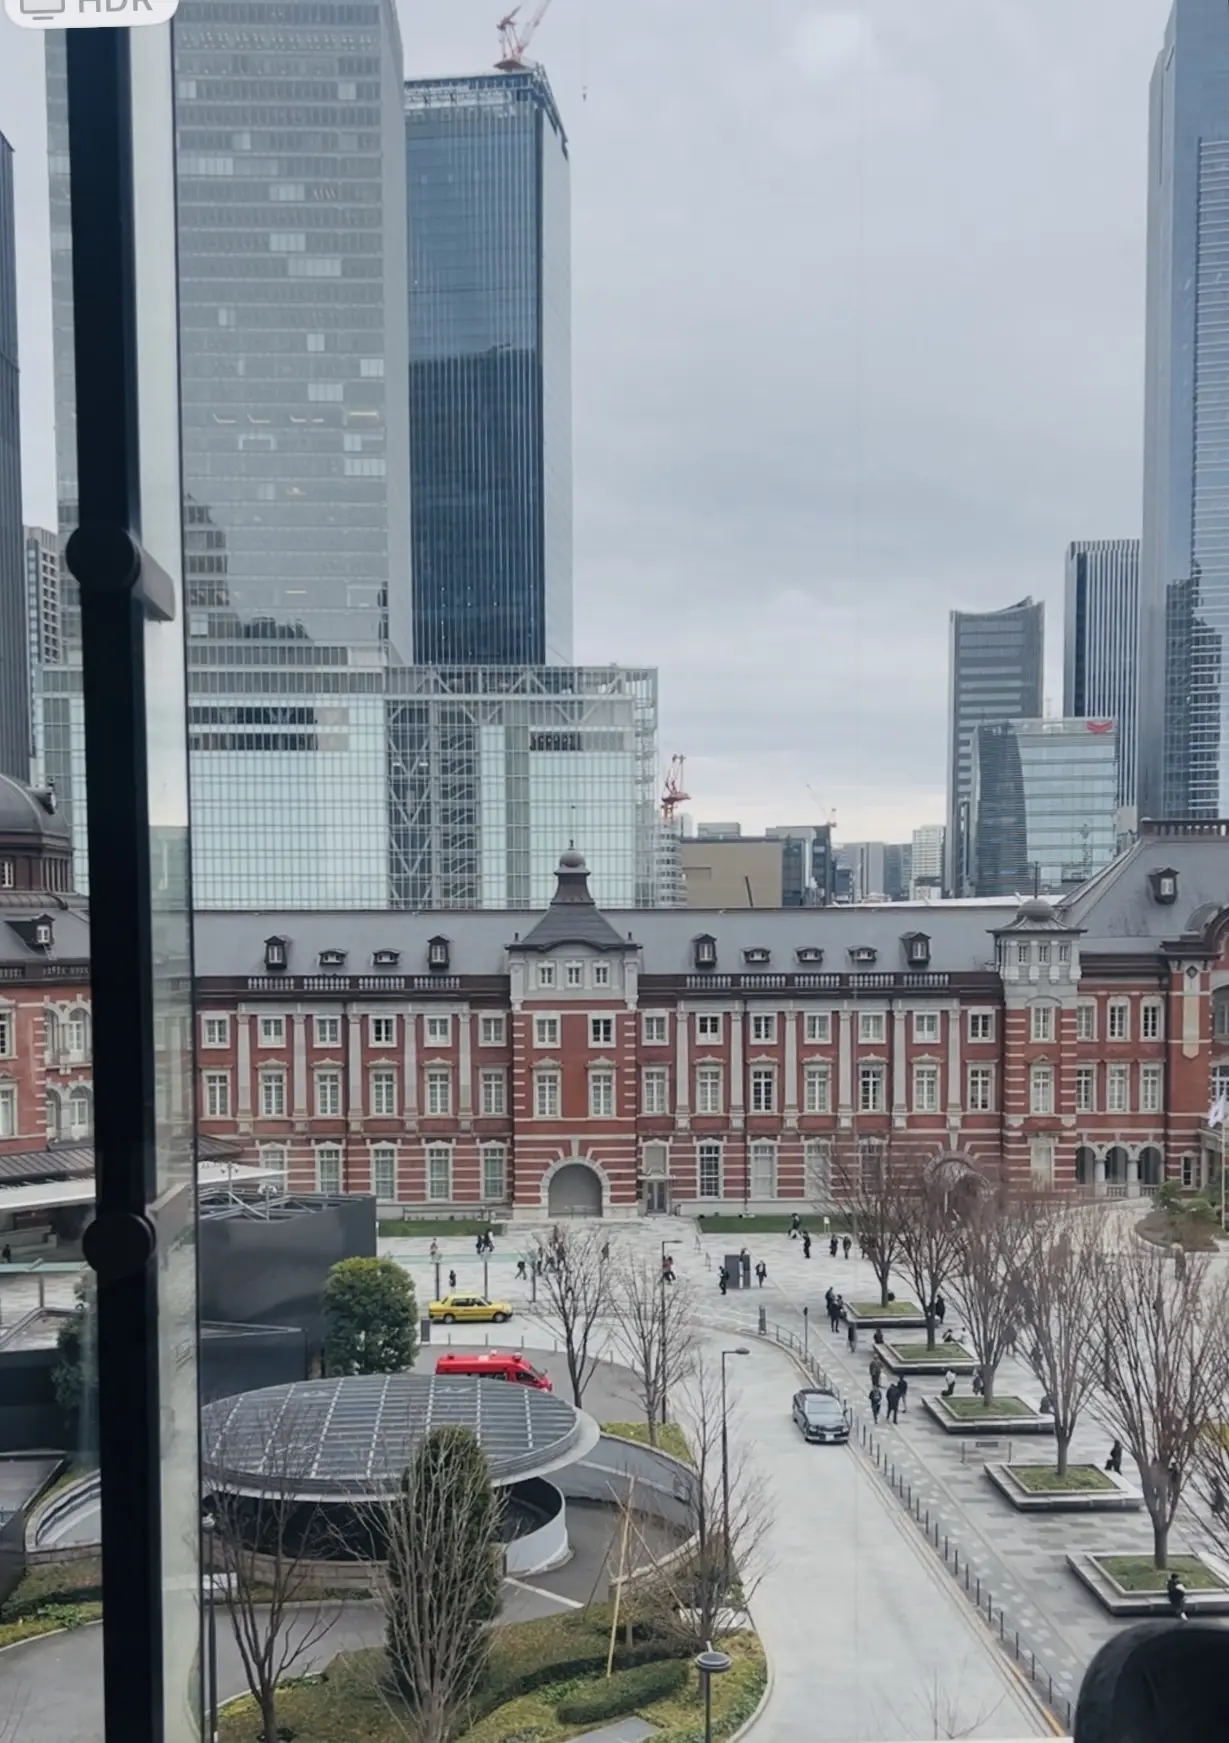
211 1082
546 1030
713 1079
980 1015
547 1078
763 1028
333 1154
602 1031
438 1155
488 1153
545 977
492 1029
872 1072
376 1038
601 974
492 1078
573 974
1086 1089
984 1075
928 1027
1117 1009
1042 1029
10 1111
659 1101
267 1078
1151 1087
220 1022
328 1078
437 1029
762 1089
1086 1020
437 1078
759 1151
716 1026
326 1037
817 1028
384 1076
710 1168
927 1070
872 1028
1041 1087
1118 1088
602 1089
1151 1016
384 1155
276 1027
650 1023
816 1087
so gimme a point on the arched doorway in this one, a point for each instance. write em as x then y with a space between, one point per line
574 1190
1116 1166
1085 1166
1151 1166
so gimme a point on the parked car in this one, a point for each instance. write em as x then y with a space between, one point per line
820 1414
468 1309
493 1365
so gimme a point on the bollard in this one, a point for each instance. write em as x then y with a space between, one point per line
979 1594
966 1576
763 1322
1017 1647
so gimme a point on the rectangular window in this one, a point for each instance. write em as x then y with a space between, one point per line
763 1089
708 1026
601 1031
546 1031
1086 1020
546 974
494 1092
546 1095
491 1032
601 974
817 1164
1041 1023
926 1089
655 1098
1118 1020
1220 1082
439 1174
494 1173
8 1111
274 1158
870 1089
1117 1089
328 1168
708 1170
1041 1090
815 1091
439 1091
1043 953
764 1027
1085 1089
383 1031
708 1089
763 1170
384 1171
653 1031
1023 952
981 1025
328 1031
328 1093
217 1095
870 1027
1151 1092
981 1089
273 1095
573 974
1188 1171
215 1032
384 1094
1064 953
1041 1163
1150 1020
271 1031
437 1031
817 1028
925 1025
601 1095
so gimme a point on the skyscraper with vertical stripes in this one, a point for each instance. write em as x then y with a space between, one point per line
1101 644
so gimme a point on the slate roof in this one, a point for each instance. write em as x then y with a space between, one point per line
572 917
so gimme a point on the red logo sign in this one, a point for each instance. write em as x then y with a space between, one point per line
1100 726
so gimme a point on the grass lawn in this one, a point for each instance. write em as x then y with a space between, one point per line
1135 1573
923 1353
1045 1480
467 1226
894 1309
812 1221
1002 1407
670 1437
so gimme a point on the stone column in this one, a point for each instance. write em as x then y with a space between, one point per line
243 1065
1098 1176
356 1100
682 1069
844 1069
1132 1177
790 1095
900 1089
737 1072
465 1087
410 1101
299 1067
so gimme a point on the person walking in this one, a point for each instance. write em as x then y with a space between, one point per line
435 1249
452 1279
979 1384
1114 1461
949 1384
8 1254
832 1246
878 1337
846 1244
834 1317
940 1309
893 1401
876 1401
806 1245
795 1223
902 1393
520 1271
761 1272
876 1370
852 1338
723 1279
480 1245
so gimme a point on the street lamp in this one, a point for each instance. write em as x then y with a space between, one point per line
209 1526
742 1350
710 1664
661 1284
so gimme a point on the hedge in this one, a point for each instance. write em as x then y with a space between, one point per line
624 1692
52 1584
561 1649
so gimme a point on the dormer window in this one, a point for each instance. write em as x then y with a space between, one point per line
332 959
439 954
810 954
917 949
385 958
43 934
704 951
275 953
757 957
1164 885
863 955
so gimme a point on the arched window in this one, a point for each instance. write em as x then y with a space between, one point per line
78 1034
53 1114
51 1037
79 1112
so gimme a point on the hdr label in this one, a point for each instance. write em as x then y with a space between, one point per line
88 14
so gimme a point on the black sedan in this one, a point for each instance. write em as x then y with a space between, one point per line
820 1415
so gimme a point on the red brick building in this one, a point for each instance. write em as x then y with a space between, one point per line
654 1060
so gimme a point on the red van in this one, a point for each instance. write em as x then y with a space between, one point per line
493 1365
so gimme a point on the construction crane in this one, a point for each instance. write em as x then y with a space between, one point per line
673 794
513 43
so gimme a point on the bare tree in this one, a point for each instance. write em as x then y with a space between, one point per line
867 1183
651 1331
574 1275
1164 1370
990 1232
1062 1279
943 1710
444 1566
928 1235
264 1542
1211 1482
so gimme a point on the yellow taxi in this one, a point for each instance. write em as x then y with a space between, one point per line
458 1309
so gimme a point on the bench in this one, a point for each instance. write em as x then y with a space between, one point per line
986 1451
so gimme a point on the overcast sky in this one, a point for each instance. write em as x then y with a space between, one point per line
858 338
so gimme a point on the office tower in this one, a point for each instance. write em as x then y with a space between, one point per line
994 673
805 856
1183 726
926 871
494 771
14 675
1101 644
490 370
1044 805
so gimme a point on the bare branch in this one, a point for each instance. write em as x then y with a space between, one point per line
651 1332
990 1234
1062 1280
928 1230
865 1181
573 1269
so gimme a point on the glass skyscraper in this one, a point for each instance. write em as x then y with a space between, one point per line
1183 728
1101 644
1044 805
14 674
487 175
995 669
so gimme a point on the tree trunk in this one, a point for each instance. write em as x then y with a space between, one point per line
884 1280
930 1331
1062 1442
1160 1540
989 1374
268 1715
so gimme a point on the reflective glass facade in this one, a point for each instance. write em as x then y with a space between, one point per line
1184 607
1044 805
995 664
487 176
14 677
1101 643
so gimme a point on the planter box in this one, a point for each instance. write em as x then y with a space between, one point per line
1120 1497
936 1361
988 1425
1111 1596
886 1319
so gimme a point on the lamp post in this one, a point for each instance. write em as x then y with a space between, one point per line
710 1664
208 1526
741 1350
661 1284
